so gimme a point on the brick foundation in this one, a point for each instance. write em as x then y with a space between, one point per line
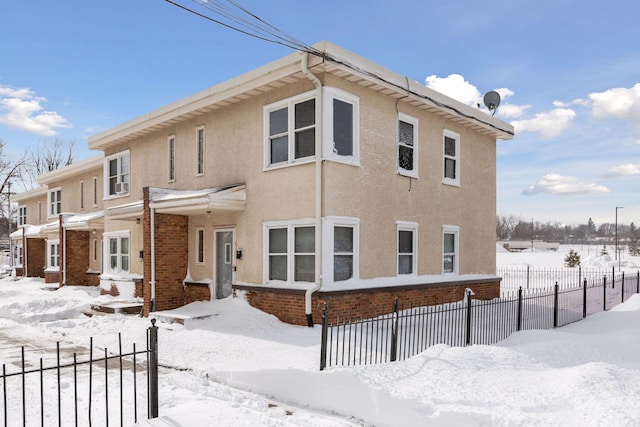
288 304
52 277
196 292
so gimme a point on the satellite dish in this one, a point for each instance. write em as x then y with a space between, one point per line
492 101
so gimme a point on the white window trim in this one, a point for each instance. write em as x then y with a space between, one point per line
204 151
290 226
329 94
94 195
22 215
121 154
289 103
455 230
81 194
328 225
107 254
49 202
204 254
50 244
413 227
39 212
413 121
456 136
172 161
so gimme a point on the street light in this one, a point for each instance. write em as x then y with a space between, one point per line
617 207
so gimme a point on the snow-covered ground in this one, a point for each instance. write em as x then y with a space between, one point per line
245 368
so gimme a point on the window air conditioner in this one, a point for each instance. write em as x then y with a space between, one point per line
122 187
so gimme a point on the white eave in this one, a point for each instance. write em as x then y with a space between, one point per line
84 221
198 202
29 194
335 60
71 170
127 211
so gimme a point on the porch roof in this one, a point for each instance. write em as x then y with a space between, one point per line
84 221
198 202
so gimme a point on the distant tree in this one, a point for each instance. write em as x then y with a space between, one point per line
591 230
572 259
605 230
49 156
632 241
10 172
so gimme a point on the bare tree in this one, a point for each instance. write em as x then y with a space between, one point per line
49 156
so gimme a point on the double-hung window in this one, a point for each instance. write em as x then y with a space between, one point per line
290 250
117 252
450 249
53 254
172 158
407 247
407 145
95 191
54 202
200 245
341 261
451 150
117 173
341 131
200 144
290 127
81 194
22 215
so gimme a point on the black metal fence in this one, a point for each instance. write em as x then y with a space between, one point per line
78 392
535 277
353 340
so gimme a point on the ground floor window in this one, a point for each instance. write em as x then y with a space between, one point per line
342 237
17 255
450 251
117 252
53 254
290 251
407 247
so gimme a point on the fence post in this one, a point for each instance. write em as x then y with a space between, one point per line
527 277
323 343
468 332
613 278
622 288
638 282
153 370
604 293
584 299
519 324
555 305
394 333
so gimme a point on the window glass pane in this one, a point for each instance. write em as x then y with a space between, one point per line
113 167
343 239
342 267
125 263
305 240
305 114
278 241
278 121
447 265
450 168
304 268
405 264
113 246
405 157
449 243
342 128
449 146
124 164
305 143
114 262
279 149
405 242
124 246
200 245
405 133
278 267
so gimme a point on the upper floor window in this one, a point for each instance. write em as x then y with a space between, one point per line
450 249
117 252
81 194
95 191
407 145
200 144
290 252
172 158
341 126
407 248
290 129
117 173
55 202
22 215
451 150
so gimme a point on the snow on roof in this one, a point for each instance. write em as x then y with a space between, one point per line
83 218
166 194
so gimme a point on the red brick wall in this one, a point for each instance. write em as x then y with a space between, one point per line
171 252
288 305
36 257
76 260
196 292
52 277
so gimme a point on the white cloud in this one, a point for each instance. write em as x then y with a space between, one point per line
623 170
549 124
620 103
457 88
563 185
22 109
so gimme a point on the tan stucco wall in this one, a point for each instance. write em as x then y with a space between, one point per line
36 209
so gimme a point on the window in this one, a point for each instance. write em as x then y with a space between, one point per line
450 249
95 250
172 158
407 152
290 251
53 253
117 173
17 255
39 212
341 126
117 252
81 194
451 149
290 127
55 202
200 150
22 215
341 234
407 248
95 191
200 245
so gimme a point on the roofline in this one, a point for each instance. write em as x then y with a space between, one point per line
331 56
24 195
72 169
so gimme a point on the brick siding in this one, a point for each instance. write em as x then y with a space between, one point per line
76 258
36 254
196 292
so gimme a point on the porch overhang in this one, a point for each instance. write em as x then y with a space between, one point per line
198 202
84 222
128 211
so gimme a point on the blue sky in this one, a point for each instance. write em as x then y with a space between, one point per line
568 71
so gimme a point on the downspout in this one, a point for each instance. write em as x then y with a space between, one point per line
152 282
318 199
24 251
64 250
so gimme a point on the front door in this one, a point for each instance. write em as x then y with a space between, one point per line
224 263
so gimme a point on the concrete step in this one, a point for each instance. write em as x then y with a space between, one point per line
118 308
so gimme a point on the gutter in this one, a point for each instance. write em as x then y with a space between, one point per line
318 199
152 282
